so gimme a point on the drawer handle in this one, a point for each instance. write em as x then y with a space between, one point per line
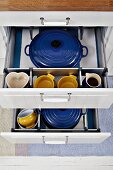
55 141
43 22
55 99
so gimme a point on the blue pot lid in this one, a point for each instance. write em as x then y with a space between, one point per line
61 118
55 48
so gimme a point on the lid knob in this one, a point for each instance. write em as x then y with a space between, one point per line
55 43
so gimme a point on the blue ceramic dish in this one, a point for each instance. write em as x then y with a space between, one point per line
61 118
55 49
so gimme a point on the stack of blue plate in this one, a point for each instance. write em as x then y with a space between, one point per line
61 118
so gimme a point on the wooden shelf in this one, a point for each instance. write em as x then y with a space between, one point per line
58 5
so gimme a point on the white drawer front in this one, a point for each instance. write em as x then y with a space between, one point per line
56 18
88 138
56 98
22 137
55 138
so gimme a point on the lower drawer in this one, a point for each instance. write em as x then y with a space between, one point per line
86 131
55 138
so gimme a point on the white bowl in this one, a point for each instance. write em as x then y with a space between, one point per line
17 80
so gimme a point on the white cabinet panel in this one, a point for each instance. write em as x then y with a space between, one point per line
2 63
107 34
56 162
56 98
109 49
3 42
109 54
55 138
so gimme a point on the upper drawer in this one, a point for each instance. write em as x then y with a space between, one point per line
56 18
59 97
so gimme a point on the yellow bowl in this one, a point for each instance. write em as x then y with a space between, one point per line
27 118
31 126
44 81
68 82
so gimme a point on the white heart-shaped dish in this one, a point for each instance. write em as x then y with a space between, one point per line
17 80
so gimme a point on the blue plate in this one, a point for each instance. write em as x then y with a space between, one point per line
61 118
55 49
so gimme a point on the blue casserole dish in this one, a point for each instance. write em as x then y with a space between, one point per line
61 118
55 48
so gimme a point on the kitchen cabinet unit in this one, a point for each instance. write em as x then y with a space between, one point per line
94 28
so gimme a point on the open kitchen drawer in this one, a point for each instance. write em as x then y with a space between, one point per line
59 97
86 131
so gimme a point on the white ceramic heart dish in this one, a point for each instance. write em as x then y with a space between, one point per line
17 80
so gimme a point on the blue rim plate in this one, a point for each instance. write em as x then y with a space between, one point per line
55 49
61 118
